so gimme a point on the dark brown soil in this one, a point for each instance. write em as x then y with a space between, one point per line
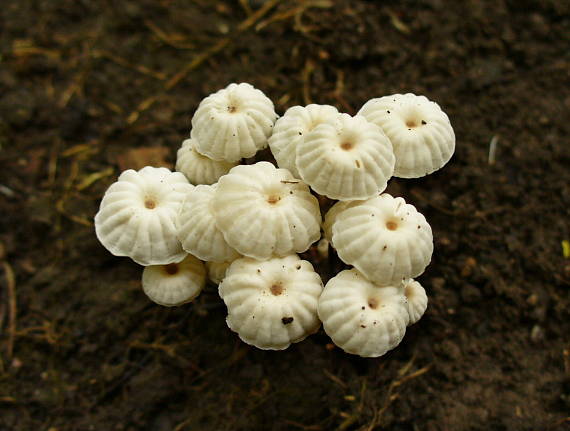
88 88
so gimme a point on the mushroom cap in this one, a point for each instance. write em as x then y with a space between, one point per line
384 238
233 123
175 283
361 317
197 229
272 304
420 132
199 169
292 128
217 270
417 300
346 158
331 216
264 211
137 216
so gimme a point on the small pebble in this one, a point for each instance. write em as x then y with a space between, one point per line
536 334
532 299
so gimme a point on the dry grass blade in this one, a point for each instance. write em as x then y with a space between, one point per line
25 47
197 61
60 207
169 39
92 178
11 290
335 379
392 395
200 58
126 64
246 7
306 78
398 23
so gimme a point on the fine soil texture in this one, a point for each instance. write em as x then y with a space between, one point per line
91 88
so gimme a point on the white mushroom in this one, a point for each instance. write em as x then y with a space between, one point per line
137 216
272 304
420 132
197 229
264 211
175 283
384 238
331 216
361 317
199 169
346 158
292 128
233 123
217 270
417 300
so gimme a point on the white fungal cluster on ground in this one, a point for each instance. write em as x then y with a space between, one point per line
248 222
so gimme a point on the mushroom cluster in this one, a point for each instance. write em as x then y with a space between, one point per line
241 226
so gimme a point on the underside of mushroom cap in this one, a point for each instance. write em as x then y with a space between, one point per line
384 238
292 128
137 216
264 211
175 283
200 169
361 317
273 303
233 123
197 230
346 158
420 131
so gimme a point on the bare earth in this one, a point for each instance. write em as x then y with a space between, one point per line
89 88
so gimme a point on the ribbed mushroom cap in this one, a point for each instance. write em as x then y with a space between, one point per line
346 158
137 216
331 216
175 283
384 238
197 229
200 169
233 123
217 270
272 304
292 128
360 317
264 211
417 300
420 132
